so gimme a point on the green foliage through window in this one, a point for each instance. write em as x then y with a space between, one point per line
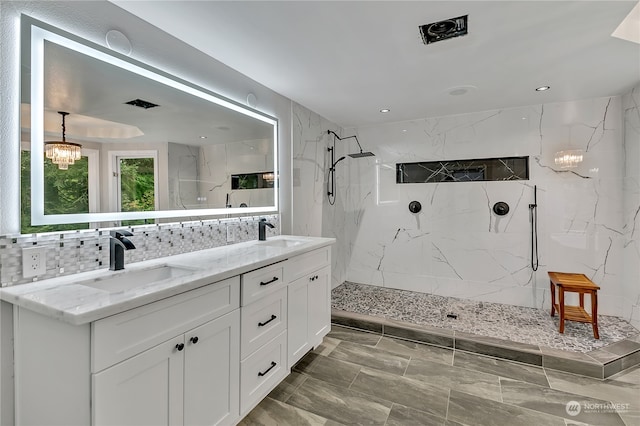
65 192
137 187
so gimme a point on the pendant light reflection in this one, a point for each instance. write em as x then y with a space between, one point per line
63 153
568 159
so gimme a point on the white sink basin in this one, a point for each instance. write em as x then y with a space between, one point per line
124 280
283 242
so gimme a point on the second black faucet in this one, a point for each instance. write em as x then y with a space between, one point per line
262 229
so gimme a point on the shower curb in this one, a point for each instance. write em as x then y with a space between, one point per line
600 363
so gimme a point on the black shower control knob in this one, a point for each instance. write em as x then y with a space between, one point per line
501 208
415 207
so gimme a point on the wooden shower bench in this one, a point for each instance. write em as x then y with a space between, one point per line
574 283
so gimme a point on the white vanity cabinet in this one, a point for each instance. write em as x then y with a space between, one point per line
191 380
263 345
204 356
171 362
309 301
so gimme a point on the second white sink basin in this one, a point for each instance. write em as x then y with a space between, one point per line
282 242
124 280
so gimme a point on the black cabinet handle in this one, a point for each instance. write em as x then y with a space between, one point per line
315 277
180 346
263 373
269 282
194 340
262 324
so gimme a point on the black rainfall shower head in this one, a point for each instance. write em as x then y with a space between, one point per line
356 155
362 154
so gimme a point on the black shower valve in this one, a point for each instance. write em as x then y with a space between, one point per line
501 208
415 207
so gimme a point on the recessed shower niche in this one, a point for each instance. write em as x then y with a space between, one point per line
484 169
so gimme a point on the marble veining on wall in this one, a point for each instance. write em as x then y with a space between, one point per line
313 215
631 214
71 252
457 246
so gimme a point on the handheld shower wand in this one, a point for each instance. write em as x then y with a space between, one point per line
533 217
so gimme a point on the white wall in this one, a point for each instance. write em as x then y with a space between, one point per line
313 215
456 246
631 212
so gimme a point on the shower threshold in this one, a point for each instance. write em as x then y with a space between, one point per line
509 332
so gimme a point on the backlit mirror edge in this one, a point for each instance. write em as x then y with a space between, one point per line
38 34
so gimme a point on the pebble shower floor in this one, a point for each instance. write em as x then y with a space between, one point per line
515 323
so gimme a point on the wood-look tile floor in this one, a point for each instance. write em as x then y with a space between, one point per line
359 378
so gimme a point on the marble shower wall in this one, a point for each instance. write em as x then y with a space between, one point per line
631 218
456 246
313 215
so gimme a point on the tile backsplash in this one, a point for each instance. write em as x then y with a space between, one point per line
71 252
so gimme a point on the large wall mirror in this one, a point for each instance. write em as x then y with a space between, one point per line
147 146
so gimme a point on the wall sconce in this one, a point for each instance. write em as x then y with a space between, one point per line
569 158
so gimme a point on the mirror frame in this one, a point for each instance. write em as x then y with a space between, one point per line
38 33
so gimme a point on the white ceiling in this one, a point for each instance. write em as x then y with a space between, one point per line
346 60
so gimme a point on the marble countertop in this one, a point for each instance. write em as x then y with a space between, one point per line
72 298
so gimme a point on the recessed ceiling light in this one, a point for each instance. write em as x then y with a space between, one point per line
385 110
404 130
542 88
203 137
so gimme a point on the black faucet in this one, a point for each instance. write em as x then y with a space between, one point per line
262 230
117 245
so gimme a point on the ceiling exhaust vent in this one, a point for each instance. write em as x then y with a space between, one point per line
442 30
142 104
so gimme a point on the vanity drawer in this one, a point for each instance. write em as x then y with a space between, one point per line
263 320
121 336
299 266
256 284
262 371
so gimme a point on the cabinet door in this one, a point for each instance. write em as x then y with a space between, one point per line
319 305
212 372
298 324
143 390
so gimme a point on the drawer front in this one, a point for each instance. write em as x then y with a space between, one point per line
262 371
257 284
262 321
306 263
124 335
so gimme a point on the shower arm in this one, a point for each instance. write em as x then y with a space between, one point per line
331 132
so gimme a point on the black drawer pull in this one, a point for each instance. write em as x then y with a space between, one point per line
262 324
264 373
194 340
180 346
269 282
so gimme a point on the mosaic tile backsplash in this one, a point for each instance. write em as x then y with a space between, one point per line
71 252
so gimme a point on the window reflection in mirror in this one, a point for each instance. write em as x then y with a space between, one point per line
66 191
198 138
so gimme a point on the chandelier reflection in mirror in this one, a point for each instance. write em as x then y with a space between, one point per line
569 158
63 153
